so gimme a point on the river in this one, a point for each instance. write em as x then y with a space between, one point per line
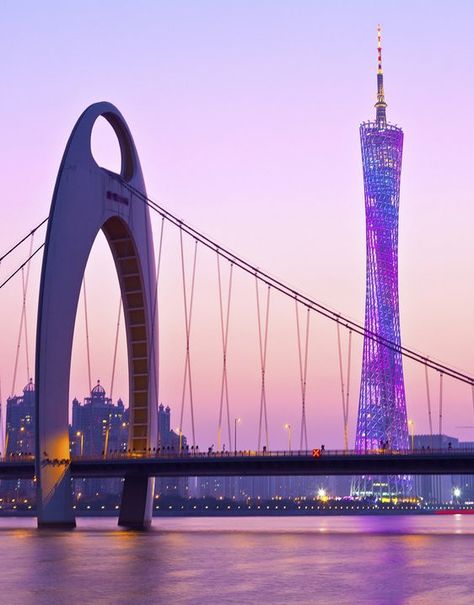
394 560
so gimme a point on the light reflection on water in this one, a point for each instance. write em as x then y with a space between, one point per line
414 560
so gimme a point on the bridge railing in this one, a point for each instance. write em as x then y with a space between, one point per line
196 453
315 453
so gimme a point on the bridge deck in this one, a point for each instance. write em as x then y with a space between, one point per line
270 463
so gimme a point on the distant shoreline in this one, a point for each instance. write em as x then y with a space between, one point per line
255 513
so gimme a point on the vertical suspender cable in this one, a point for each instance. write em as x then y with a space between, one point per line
155 312
2 428
2 434
262 340
86 318
348 380
303 366
187 320
18 345
472 393
343 390
440 406
117 329
224 323
25 289
23 319
428 399
226 342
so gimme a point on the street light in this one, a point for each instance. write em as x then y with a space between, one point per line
288 428
81 435
236 422
180 442
411 426
106 438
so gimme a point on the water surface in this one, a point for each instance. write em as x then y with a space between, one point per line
415 560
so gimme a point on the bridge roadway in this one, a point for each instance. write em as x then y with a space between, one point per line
421 462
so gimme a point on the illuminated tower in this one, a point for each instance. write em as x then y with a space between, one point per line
382 418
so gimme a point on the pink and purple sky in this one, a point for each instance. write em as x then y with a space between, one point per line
246 119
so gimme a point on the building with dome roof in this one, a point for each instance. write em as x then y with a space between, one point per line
98 427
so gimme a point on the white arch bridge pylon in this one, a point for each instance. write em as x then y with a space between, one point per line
88 199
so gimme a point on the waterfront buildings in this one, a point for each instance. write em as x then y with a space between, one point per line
20 422
20 440
99 427
382 418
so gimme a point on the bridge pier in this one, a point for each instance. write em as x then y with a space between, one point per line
54 497
136 507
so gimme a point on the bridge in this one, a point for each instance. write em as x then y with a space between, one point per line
422 462
88 199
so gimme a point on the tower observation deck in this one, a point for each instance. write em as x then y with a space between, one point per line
382 416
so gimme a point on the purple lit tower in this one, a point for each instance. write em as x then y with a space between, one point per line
382 415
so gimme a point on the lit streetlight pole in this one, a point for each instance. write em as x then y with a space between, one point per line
106 439
288 428
411 426
236 422
180 434
81 435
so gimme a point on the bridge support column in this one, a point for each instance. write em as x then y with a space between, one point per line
54 497
136 508
88 199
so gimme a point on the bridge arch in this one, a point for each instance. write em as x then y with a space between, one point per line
88 199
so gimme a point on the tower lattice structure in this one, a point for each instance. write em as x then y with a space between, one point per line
382 417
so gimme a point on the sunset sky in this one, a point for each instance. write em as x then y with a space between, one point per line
246 116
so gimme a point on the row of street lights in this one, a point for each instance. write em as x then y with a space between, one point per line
237 421
287 427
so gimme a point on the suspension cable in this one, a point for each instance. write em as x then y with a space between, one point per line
86 318
428 399
23 239
224 324
114 362
23 320
187 321
303 366
262 341
290 292
12 275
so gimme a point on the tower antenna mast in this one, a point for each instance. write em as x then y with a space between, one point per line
381 105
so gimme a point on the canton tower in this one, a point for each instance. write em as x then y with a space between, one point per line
382 417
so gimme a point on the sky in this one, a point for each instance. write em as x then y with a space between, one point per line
245 116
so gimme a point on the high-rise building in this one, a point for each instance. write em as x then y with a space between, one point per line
99 427
20 440
20 424
382 417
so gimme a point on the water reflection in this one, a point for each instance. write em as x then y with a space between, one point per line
245 561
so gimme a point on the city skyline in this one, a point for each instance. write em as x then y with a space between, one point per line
307 176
